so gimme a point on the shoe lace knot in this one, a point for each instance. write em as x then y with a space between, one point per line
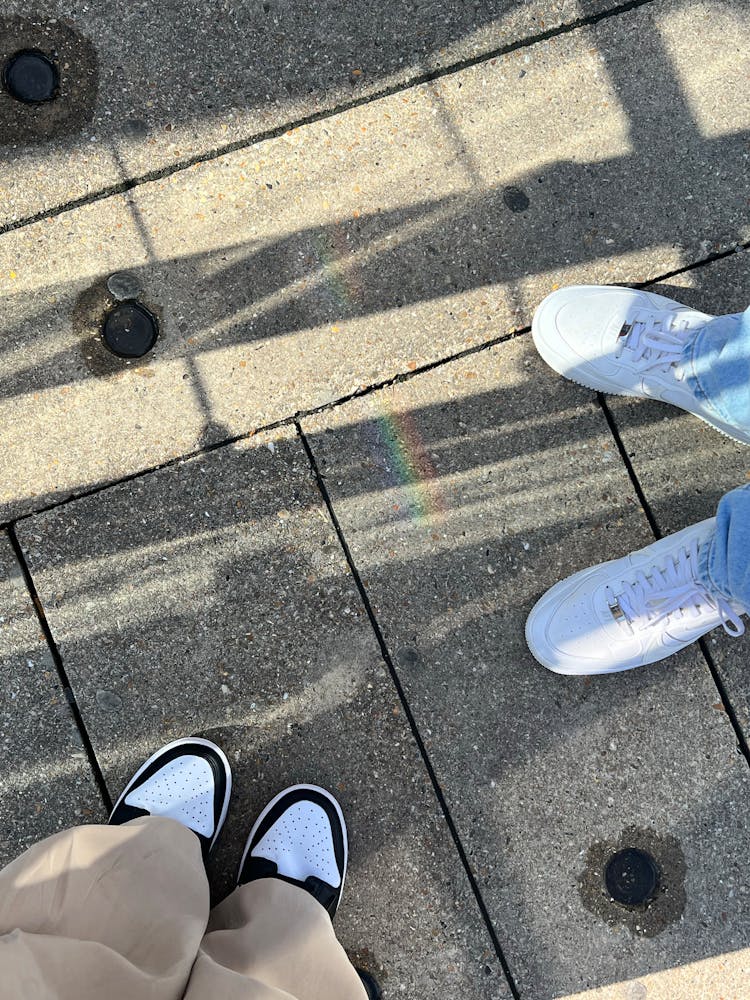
656 340
671 591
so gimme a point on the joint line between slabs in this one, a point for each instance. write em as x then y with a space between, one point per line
385 653
619 443
711 258
427 77
742 743
396 379
61 672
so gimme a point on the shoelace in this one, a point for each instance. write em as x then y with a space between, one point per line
657 340
672 591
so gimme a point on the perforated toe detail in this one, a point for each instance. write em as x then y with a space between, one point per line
300 842
182 790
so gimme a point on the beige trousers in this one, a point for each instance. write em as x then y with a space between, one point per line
122 913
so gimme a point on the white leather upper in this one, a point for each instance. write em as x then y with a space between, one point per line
301 844
577 330
577 626
182 789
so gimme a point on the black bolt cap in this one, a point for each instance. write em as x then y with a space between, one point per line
130 330
631 877
31 76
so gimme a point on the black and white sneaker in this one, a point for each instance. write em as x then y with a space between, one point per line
189 781
300 837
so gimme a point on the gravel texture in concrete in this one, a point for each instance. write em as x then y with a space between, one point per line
722 978
291 274
291 266
212 597
146 86
463 495
45 781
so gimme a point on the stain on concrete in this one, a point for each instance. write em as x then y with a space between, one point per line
666 906
89 312
515 199
75 60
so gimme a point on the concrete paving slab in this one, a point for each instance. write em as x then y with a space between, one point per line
290 275
463 495
725 977
683 465
146 85
46 784
213 597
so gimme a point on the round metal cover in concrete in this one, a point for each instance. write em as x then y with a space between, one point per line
631 877
130 330
30 76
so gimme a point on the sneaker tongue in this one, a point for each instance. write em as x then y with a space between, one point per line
617 612
611 616
632 331
617 331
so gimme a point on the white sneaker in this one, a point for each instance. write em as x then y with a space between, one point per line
624 341
300 837
188 780
630 611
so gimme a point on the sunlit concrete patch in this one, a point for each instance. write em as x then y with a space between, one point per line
246 69
685 466
77 433
708 92
586 129
289 275
464 494
213 597
723 977
45 780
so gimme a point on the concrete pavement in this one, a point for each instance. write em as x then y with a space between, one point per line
311 523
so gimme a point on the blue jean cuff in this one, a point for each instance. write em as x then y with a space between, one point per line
694 379
705 561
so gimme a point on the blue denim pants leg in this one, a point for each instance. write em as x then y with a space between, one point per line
725 563
717 364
